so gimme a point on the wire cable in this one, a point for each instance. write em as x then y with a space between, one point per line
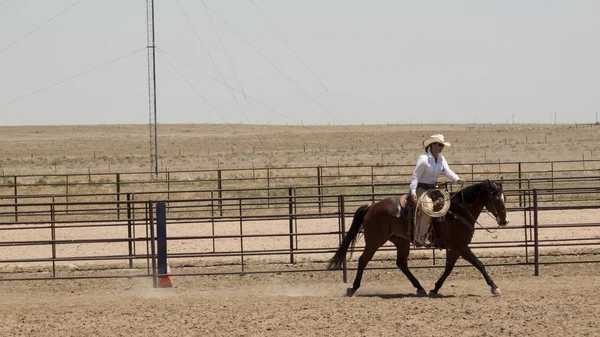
194 88
211 59
72 77
289 45
232 88
200 94
38 27
275 66
224 50
4 3
257 136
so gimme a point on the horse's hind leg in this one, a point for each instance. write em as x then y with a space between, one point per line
468 255
363 260
451 258
371 248
403 250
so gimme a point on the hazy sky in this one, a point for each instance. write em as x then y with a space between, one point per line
340 61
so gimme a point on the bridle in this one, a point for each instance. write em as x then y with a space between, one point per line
493 209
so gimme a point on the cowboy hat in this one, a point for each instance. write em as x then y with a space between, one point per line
435 139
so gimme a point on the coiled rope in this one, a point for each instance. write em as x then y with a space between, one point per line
425 205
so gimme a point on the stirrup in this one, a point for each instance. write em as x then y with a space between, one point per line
430 245
419 244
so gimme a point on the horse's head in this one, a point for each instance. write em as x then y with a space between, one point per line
496 202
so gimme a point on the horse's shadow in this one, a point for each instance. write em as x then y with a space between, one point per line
400 296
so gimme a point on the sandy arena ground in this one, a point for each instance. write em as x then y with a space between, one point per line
561 301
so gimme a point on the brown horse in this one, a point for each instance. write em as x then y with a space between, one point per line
454 233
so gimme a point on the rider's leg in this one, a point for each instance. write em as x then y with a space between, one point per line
422 223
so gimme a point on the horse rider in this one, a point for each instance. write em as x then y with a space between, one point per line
425 177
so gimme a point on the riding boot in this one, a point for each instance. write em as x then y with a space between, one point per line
431 237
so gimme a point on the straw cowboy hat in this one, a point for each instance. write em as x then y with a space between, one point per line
435 139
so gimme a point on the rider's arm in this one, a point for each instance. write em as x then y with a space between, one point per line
448 172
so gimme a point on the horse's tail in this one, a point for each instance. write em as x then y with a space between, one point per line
349 239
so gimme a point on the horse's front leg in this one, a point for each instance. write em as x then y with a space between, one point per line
403 250
451 258
468 255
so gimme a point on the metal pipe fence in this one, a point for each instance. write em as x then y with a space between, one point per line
260 234
268 178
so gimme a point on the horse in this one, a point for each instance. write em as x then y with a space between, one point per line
453 233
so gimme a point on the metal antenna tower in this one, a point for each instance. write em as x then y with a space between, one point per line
151 48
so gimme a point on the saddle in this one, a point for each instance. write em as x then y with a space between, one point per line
404 204
404 208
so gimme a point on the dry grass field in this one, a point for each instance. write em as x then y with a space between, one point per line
560 301
125 148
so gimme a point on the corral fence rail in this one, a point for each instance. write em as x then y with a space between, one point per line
231 182
232 235
269 181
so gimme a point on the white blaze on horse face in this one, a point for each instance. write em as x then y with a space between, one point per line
502 200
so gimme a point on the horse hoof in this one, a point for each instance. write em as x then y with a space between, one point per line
433 293
496 292
421 292
350 292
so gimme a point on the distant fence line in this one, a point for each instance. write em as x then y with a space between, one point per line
268 182
17 208
275 177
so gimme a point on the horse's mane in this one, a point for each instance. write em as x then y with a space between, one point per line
470 194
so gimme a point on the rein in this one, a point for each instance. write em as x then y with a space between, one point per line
491 231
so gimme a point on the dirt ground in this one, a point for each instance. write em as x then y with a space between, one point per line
560 302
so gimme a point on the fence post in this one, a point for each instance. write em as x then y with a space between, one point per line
67 192
268 188
161 237
168 185
291 221
118 180
552 176
319 186
342 214
130 230
212 219
152 245
220 192
472 172
536 242
53 237
521 201
16 193
241 237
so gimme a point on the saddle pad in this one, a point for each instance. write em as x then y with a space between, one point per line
397 208
399 204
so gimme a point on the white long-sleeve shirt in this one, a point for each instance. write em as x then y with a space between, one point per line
428 171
